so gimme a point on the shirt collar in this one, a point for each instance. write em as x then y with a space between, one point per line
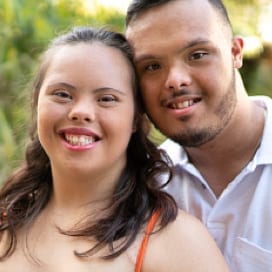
263 154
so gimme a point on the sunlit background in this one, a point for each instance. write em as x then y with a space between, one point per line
27 26
120 5
253 43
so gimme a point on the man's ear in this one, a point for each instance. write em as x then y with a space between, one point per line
237 52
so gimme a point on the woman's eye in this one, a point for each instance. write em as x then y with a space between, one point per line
198 55
106 99
63 94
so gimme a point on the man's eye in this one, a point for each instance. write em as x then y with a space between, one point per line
152 67
198 55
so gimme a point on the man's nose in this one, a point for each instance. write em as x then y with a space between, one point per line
178 77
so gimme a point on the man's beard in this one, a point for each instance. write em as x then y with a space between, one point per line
195 137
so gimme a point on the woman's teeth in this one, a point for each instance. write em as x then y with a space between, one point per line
79 140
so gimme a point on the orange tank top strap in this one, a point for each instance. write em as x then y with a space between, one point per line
142 249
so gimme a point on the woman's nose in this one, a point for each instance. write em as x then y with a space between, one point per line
82 111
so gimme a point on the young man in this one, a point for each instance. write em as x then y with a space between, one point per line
187 60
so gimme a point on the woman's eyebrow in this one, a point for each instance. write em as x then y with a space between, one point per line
73 88
62 84
104 89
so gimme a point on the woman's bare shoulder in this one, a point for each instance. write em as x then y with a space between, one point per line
184 245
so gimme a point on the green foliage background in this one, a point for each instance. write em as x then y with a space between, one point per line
27 26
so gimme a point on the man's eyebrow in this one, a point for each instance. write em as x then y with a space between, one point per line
190 44
144 57
195 43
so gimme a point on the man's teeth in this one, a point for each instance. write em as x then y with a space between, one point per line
79 139
182 105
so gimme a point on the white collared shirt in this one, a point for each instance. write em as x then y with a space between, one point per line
240 220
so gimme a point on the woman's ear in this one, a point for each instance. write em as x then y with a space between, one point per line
135 123
134 127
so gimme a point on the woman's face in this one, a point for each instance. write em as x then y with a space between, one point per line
85 111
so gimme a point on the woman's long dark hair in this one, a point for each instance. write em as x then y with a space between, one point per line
137 194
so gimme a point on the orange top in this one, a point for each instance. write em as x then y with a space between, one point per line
143 246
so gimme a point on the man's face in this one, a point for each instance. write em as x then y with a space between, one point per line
185 58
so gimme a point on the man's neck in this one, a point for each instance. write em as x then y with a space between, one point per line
222 159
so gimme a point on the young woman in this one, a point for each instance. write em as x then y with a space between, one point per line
87 197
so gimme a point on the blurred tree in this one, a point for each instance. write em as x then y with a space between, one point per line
27 26
245 17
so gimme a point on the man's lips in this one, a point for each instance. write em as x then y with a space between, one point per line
181 102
